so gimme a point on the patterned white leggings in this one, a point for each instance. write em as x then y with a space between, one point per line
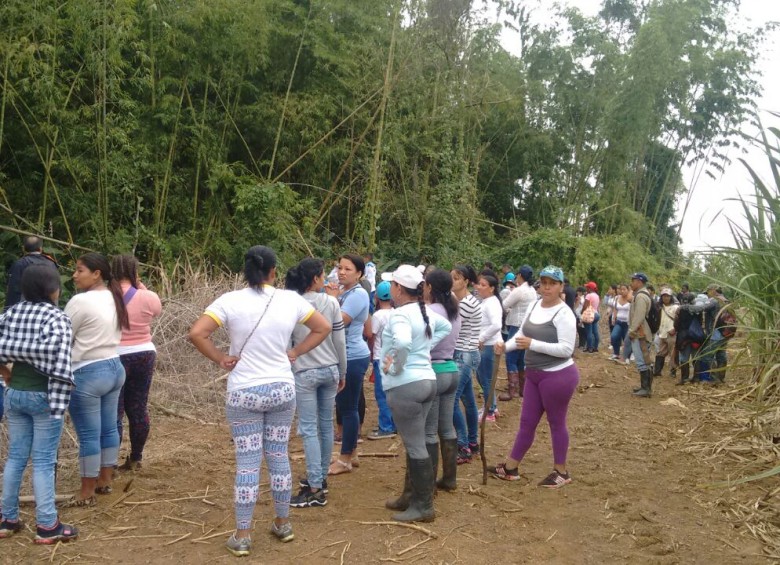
260 419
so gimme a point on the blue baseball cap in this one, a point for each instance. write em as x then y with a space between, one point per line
383 290
641 276
509 278
552 272
526 272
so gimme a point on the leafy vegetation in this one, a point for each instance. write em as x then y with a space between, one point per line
403 127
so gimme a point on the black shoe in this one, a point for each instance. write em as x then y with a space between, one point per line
7 529
308 499
304 483
60 532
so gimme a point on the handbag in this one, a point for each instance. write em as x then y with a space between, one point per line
588 316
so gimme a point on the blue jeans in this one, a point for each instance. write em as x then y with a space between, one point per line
466 428
618 335
347 402
592 333
2 388
93 409
513 356
485 376
33 433
315 390
641 349
385 418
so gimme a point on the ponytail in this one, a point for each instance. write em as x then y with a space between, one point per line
301 277
258 262
98 262
423 311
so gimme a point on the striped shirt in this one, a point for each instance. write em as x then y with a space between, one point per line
471 323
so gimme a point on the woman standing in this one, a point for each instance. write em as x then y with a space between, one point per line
99 315
547 335
516 306
592 301
319 374
609 300
354 313
620 320
467 358
261 388
489 335
410 384
137 354
439 427
36 336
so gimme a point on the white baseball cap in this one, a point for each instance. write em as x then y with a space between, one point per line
405 275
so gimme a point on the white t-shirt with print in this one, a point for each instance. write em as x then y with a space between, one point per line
264 357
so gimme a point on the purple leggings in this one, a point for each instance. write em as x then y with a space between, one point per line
546 391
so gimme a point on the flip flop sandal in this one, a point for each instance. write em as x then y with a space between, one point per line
80 502
104 490
340 469
501 472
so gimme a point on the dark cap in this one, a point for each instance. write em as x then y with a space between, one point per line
526 272
641 276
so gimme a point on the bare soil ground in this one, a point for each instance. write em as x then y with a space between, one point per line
634 498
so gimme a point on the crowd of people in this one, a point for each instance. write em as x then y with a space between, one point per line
302 346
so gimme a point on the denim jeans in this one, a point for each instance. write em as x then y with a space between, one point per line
512 356
592 333
641 349
466 428
315 390
485 376
93 409
348 400
618 335
385 418
2 388
33 433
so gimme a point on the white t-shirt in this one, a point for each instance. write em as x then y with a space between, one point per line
264 357
378 323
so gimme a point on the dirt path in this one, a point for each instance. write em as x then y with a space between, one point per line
633 500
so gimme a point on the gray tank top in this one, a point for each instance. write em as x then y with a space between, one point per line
546 332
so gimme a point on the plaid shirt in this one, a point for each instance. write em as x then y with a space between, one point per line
40 334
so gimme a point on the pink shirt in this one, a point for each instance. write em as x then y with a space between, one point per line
594 300
142 309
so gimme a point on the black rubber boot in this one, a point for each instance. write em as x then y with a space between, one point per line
402 502
659 365
685 372
421 504
449 465
641 384
646 378
433 454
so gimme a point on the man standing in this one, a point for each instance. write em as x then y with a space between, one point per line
666 334
33 255
640 334
714 347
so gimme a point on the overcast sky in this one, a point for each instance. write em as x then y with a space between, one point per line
710 197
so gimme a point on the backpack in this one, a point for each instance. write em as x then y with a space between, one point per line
726 322
653 317
695 334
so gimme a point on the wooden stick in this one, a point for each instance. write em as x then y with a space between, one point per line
204 538
344 551
182 520
145 502
415 546
488 402
28 498
320 549
54 551
185 536
426 531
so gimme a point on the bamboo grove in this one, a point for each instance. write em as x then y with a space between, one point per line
404 127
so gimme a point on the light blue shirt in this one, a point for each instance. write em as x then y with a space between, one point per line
404 340
354 303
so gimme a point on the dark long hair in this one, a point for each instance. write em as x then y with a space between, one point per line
467 272
418 292
356 260
99 262
125 267
258 262
493 281
302 275
39 282
440 282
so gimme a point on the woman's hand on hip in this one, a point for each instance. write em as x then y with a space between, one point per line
228 362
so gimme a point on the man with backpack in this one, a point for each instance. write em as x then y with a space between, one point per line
719 326
643 311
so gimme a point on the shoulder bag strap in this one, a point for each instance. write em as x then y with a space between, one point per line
270 298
